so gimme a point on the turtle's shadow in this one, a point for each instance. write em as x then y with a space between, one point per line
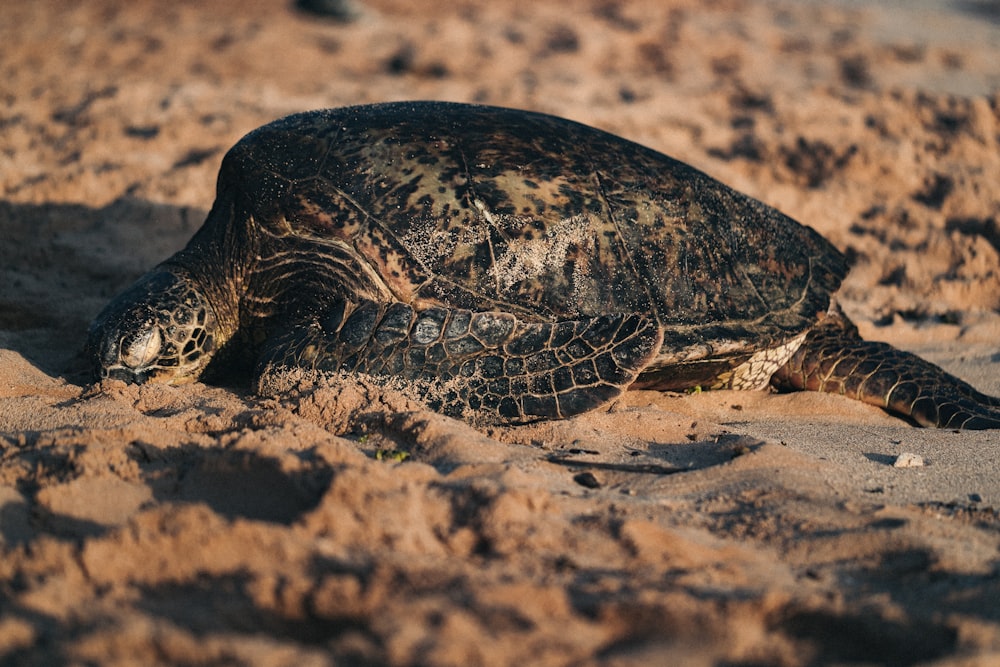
61 263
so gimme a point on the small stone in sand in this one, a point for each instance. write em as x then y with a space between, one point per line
587 479
908 460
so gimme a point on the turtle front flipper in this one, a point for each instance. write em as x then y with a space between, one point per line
489 367
835 359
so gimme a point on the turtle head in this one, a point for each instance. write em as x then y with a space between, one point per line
161 329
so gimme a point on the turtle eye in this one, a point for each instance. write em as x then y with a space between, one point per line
144 349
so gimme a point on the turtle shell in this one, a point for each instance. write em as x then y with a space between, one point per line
484 208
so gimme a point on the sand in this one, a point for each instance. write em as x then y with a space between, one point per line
338 522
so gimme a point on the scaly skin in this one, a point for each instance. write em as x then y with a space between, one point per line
487 367
836 360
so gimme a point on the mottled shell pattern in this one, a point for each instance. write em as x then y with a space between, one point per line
493 209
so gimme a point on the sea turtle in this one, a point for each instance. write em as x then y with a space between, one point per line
516 266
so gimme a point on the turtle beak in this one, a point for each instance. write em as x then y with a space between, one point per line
126 375
138 358
128 359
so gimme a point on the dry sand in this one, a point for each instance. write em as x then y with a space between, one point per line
202 525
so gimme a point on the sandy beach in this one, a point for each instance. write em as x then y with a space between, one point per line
339 522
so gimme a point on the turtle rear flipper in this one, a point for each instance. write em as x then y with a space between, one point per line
485 366
835 359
